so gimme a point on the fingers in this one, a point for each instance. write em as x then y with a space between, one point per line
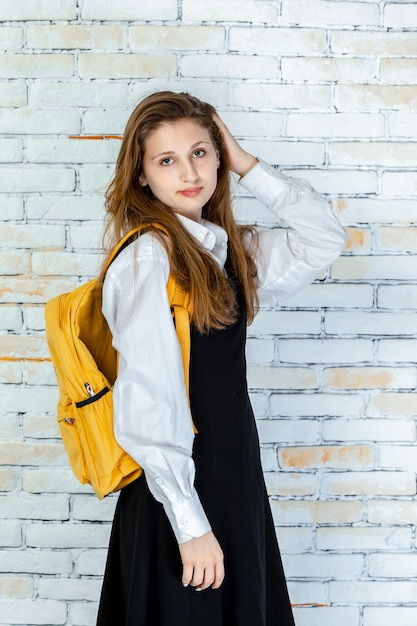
202 560
241 162
187 574
218 575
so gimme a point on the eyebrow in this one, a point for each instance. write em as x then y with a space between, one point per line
170 152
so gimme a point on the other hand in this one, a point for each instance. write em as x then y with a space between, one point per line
202 560
241 162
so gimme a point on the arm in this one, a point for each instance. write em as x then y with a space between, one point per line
310 237
152 420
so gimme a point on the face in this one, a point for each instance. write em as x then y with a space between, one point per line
180 166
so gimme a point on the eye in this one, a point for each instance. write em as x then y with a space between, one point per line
199 153
167 161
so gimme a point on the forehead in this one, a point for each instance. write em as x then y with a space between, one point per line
177 133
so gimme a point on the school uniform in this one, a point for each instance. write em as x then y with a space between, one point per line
212 480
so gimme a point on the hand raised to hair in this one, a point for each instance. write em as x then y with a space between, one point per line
241 162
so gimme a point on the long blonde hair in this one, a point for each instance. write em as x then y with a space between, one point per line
128 204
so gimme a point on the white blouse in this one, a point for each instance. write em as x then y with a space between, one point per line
152 419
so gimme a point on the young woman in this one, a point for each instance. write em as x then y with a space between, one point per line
193 542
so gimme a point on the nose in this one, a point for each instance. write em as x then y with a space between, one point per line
188 173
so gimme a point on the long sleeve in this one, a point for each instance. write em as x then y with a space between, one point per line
152 419
309 239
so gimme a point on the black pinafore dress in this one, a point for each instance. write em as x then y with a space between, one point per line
142 583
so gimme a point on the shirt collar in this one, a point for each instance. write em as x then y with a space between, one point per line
211 236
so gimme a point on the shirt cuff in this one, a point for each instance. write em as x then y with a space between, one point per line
188 519
264 182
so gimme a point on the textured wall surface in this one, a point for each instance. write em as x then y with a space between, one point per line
327 91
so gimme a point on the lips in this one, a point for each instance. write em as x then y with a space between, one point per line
191 192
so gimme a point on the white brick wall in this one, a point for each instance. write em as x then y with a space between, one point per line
326 89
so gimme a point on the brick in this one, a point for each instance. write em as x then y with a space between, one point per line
359 240
295 512
303 593
371 592
106 123
262 377
277 40
69 37
393 404
295 539
383 512
327 69
367 323
13 263
392 566
400 16
335 125
97 65
32 290
320 12
94 178
129 10
42 427
397 457
9 427
215 91
259 351
71 151
91 562
48 10
397 70
10 317
34 317
36 612
10 373
334 296
375 97
398 350
77 208
338 181
36 562
283 323
32 236
39 373
13 206
58 481
375 616
10 537
370 377
84 613
377 267
229 66
389 154
13 93
28 400
400 239
67 536
317 404
369 430
37 179
83 93
218 11
23 346
23 453
373 43
362 210
323 566
87 237
269 459
337 457
368 483
399 184
34 507
11 150
287 152
8 479
300 431
397 297
402 124
69 589
47 121
326 616
288 484
253 124
11 38
159 38
361 538
259 403
272 97
15 587
325 350
37 65
65 264
89 509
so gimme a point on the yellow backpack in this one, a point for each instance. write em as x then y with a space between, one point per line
85 361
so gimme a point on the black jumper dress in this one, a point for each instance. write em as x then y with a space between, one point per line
142 584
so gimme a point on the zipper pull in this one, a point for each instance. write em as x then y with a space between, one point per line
89 389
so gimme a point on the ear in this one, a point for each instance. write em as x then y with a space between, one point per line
142 180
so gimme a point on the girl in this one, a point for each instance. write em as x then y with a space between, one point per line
198 520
